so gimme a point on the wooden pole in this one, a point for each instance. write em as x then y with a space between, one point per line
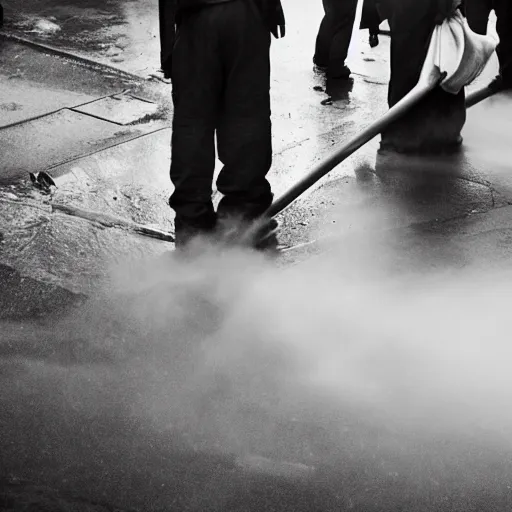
348 148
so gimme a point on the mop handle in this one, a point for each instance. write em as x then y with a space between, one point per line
480 95
347 149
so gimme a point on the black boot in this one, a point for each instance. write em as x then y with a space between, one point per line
374 39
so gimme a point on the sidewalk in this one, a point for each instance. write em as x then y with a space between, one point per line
55 112
70 438
104 138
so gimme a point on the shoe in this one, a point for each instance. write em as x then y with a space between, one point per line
374 40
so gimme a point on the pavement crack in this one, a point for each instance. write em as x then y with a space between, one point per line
24 203
111 221
292 146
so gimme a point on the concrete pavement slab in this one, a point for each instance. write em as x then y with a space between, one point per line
130 180
33 83
18 101
367 202
20 495
24 297
480 243
51 140
487 142
64 250
121 109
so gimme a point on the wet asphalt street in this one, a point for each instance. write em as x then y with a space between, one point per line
210 385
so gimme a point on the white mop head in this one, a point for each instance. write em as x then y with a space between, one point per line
459 52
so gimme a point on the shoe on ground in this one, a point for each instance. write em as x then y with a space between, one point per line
374 40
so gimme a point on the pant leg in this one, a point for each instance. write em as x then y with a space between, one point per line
345 17
197 81
503 10
324 36
335 33
437 121
244 140
370 18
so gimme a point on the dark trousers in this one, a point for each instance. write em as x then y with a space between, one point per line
436 122
334 34
370 17
477 13
221 85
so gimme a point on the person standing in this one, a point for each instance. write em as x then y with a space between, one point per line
477 13
434 125
218 60
333 39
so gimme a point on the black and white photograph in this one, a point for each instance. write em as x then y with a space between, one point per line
255 255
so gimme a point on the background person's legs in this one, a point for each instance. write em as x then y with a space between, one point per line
370 19
335 32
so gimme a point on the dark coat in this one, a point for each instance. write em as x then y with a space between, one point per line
169 17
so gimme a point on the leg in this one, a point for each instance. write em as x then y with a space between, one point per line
324 37
244 129
435 123
344 14
197 85
334 35
503 10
